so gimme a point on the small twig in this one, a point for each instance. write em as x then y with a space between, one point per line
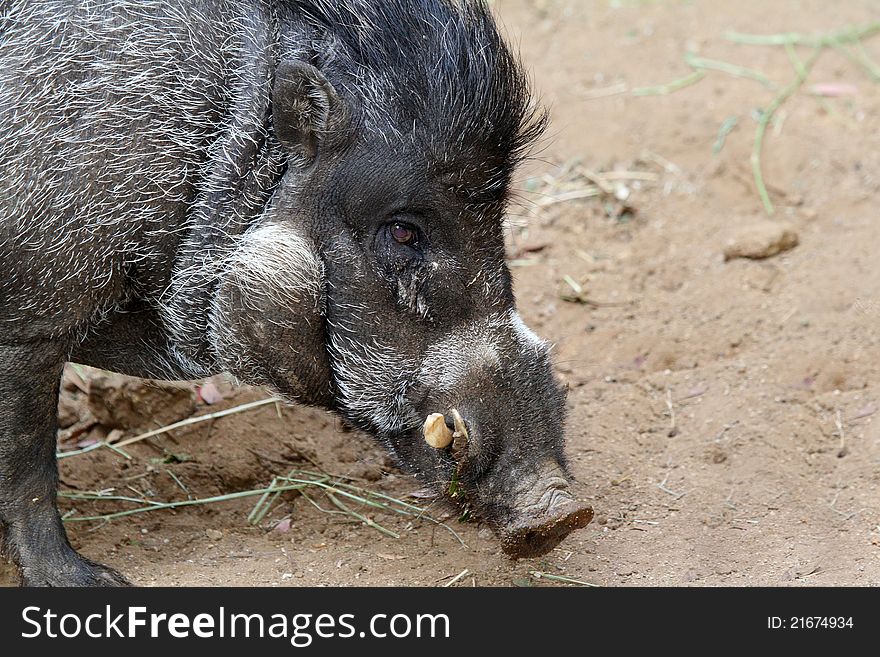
137 491
84 450
662 486
764 121
845 516
364 519
795 60
195 420
670 87
321 508
115 448
838 420
574 285
862 59
138 476
456 578
259 511
723 132
728 501
574 195
604 92
102 496
848 35
701 63
179 483
600 181
673 431
537 574
568 553
578 295
659 160
648 176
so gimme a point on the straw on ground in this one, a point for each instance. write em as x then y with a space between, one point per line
332 487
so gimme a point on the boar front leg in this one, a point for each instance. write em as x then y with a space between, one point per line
31 528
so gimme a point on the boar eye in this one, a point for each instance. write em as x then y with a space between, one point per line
399 244
403 233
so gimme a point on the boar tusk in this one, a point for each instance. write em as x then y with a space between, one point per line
460 426
460 437
437 434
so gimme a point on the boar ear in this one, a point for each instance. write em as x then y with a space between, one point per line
303 102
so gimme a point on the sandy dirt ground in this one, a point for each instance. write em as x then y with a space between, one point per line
723 412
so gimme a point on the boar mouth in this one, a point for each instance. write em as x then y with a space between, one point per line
543 512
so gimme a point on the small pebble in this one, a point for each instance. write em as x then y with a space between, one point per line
761 240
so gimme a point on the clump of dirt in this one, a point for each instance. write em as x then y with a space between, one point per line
760 240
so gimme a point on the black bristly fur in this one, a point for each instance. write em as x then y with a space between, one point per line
194 186
443 77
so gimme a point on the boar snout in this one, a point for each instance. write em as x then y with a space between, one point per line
541 510
535 534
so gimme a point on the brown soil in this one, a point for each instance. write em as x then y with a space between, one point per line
768 473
